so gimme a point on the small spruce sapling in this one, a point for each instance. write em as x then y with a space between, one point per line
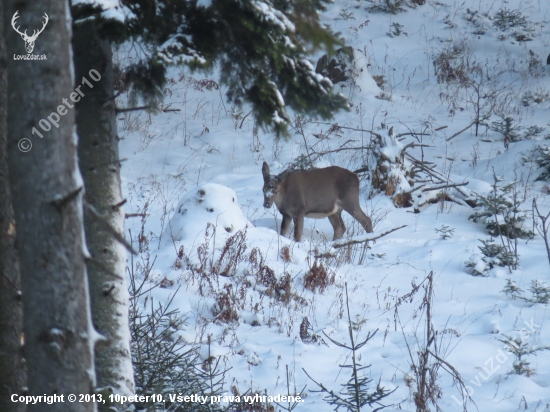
520 349
503 217
513 23
513 133
540 291
355 393
396 29
493 255
509 132
290 406
446 232
512 289
542 158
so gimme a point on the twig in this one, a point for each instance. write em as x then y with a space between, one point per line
461 131
242 121
379 136
455 374
119 204
412 134
93 213
434 173
363 239
131 109
60 201
445 186
544 230
340 149
127 215
412 144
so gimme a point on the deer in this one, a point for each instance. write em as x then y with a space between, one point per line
314 193
29 40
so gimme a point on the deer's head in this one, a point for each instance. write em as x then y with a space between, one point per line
271 187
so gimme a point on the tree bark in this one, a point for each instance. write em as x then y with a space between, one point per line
12 367
100 165
47 191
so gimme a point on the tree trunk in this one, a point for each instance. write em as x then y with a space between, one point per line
47 191
100 165
12 368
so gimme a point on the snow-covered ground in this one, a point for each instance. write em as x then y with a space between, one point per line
196 173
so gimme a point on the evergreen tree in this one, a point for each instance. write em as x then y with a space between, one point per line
46 190
259 46
12 371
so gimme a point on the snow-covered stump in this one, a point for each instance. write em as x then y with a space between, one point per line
209 203
393 174
397 172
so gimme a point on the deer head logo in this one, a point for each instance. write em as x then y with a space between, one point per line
29 40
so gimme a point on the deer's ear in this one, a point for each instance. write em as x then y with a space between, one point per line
265 171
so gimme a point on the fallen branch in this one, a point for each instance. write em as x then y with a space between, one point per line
460 131
435 174
411 134
362 239
413 144
433 200
131 109
445 186
379 136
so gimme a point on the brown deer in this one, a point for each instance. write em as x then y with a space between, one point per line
315 193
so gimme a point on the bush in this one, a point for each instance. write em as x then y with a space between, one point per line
511 132
165 364
493 255
500 212
542 158
520 349
514 24
503 218
317 278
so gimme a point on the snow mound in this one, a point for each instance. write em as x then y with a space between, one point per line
208 203
363 78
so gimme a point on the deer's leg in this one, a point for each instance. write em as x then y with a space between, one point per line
285 225
342 223
354 209
338 225
298 226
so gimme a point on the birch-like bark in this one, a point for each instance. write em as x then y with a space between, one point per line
100 166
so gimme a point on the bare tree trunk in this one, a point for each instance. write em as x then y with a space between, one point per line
100 165
47 200
12 368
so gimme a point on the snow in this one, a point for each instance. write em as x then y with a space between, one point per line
273 15
201 166
209 203
112 9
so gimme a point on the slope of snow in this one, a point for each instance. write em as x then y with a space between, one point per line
201 165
